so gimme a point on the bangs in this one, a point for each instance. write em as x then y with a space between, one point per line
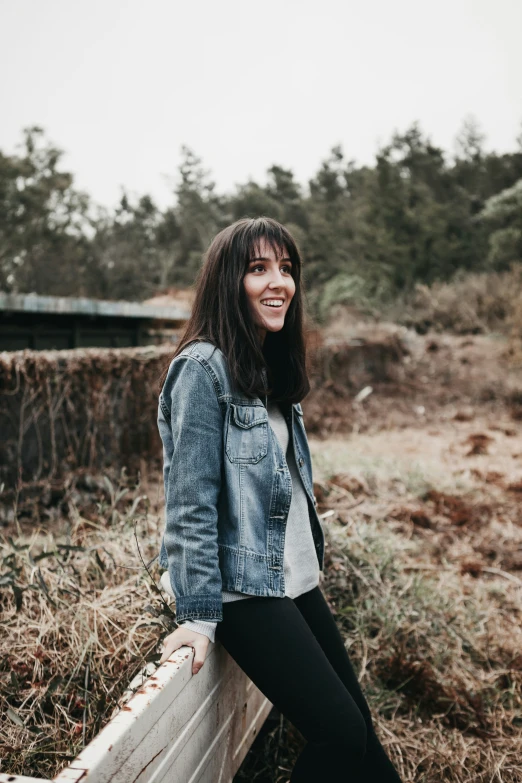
264 230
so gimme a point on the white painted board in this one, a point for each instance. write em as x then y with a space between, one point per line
178 727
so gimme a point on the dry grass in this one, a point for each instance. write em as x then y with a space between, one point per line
430 610
438 653
75 623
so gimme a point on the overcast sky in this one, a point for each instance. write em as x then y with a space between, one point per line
120 85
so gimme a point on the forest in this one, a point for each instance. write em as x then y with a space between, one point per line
419 216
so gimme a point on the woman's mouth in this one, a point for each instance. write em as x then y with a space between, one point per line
276 302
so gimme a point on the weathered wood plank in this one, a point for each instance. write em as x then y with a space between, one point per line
191 729
217 738
109 750
20 779
180 722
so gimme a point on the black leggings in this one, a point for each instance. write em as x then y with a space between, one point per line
293 651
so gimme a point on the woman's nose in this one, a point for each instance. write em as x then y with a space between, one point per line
277 280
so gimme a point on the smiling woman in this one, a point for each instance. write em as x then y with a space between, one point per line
243 544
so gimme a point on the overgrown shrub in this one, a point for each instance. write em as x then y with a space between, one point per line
474 303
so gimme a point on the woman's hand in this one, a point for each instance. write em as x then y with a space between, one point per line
182 636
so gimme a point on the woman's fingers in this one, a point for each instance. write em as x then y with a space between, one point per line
178 638
170 644
200 651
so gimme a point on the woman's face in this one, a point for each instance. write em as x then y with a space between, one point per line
269 287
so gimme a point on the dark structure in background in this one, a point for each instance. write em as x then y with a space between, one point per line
56 322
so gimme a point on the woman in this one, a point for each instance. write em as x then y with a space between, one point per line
243 543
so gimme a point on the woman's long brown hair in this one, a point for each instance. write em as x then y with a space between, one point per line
220 314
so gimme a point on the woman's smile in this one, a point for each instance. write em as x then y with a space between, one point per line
272 302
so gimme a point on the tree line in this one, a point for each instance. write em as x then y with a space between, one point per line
367 232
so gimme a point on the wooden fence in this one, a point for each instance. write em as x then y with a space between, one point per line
176 728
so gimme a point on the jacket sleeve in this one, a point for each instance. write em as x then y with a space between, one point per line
192 487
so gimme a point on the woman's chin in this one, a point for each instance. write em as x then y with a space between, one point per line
274 324
275 327
271 326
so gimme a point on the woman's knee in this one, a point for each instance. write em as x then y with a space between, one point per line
346 733
352 735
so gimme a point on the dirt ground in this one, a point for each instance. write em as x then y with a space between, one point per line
436 450
458 485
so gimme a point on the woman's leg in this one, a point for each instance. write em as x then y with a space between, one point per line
272 642
315 610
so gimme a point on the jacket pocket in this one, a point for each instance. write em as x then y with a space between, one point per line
247 433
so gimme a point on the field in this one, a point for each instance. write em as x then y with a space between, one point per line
420 487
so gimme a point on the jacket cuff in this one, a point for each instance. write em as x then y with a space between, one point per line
203 606
199 607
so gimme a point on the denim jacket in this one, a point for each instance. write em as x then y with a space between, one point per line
227 486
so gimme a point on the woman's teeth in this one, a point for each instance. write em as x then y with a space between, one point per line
272 302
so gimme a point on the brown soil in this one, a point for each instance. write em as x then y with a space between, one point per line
428 379
465 503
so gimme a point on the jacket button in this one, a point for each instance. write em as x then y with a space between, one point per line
301 462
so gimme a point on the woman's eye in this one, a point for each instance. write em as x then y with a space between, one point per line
262 267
